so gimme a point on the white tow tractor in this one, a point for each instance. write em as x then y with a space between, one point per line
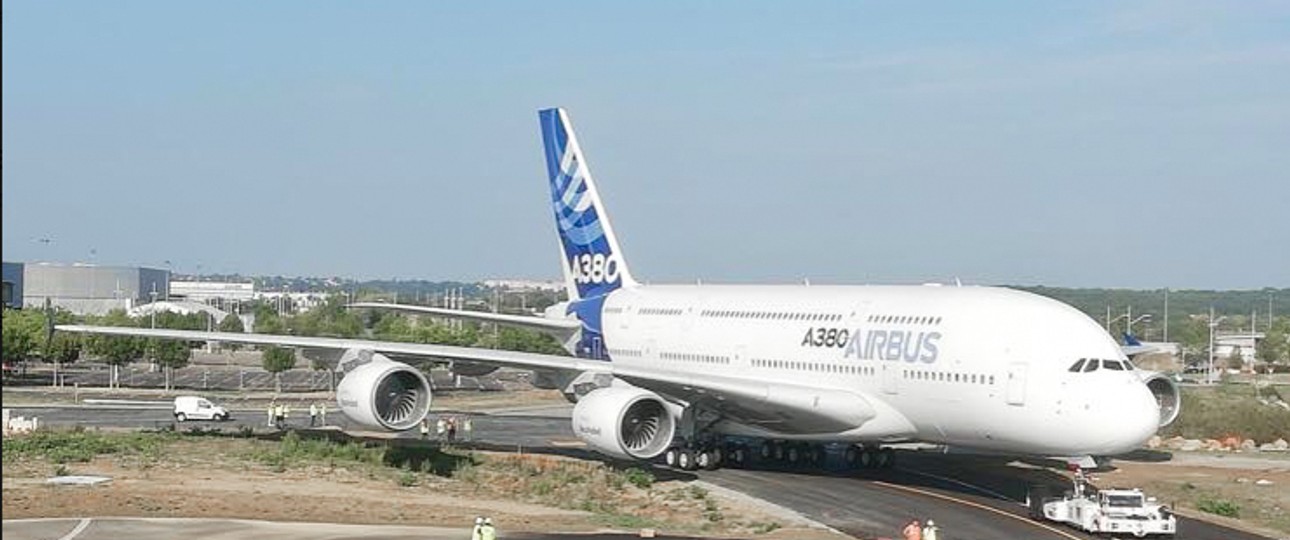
1106 511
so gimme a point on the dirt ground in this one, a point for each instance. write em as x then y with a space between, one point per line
214 478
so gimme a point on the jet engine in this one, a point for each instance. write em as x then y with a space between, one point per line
1166 393
625 422
377 392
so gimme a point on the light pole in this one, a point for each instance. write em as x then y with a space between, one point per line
1128 328
1213 323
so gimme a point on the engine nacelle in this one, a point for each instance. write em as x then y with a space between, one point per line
380 393
1166 393
624 422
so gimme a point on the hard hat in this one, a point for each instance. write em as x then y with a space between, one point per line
488 521
931 523
479 521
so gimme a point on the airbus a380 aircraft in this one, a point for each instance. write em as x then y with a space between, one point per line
683 370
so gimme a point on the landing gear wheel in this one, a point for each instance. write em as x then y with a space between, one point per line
671 456
739 456
706 460
886 458
851 456
685 460
867 458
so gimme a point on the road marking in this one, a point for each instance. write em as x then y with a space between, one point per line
76 531
981 507
986 491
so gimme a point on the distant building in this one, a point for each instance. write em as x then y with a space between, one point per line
226 295
87 289
1246 344
524 285
13 285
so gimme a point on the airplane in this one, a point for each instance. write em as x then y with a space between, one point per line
703 375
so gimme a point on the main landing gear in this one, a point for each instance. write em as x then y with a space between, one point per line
740 453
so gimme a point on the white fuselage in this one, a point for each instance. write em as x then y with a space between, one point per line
972 366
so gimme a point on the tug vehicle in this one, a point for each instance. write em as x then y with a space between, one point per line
1105 511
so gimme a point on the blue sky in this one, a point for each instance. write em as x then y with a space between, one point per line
1116 144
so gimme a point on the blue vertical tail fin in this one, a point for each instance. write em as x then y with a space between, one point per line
592 261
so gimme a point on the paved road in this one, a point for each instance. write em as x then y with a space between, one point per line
237 529
973 502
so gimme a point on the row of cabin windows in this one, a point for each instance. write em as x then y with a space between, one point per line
661 311
696 358
941 376
770 315
637 353
845 369
904 319
1086 365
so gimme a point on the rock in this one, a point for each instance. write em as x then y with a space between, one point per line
1268 447
1175 442
1281 444
1249 445
1191 445
1231 442
1213 445
1154 442
1263 482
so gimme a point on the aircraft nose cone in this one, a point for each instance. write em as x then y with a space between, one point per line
1138 418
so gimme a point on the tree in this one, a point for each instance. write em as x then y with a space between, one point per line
276 360
1193 337
1275 345
62 348
232 324
169 354
23 332
117 351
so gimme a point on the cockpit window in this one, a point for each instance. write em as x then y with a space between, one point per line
1112 364
1079 364
1090 366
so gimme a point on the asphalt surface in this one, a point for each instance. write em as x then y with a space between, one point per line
968 503
237 529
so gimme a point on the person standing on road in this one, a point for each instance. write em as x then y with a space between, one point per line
467 427
439 427
313 415
452 429
486 531
286 411
425 428
322 412
475 532
931 531
273 408
913 531
278 415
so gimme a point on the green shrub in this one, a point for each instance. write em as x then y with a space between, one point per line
638 477
407 479
1220 507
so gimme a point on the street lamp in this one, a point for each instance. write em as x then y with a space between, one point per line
1129 326
1213 323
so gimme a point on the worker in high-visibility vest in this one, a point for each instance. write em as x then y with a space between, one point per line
486 531
931 531
313 415
272 411
425 428
322 412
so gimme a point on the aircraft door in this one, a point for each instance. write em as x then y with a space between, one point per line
890 378
1017 383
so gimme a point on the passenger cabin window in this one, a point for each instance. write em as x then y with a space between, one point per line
1077 366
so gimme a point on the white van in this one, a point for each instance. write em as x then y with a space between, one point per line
198 408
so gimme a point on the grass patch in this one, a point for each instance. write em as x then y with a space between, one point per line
1222 507
1227 410
80 445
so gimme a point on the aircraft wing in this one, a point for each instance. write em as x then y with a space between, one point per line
563 327
1134 347
774 406
392 348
